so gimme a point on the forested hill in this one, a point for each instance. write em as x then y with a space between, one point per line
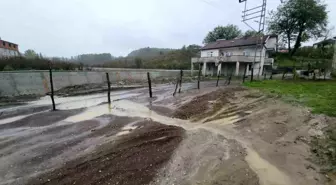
149 52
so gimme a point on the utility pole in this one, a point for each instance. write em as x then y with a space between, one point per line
256 14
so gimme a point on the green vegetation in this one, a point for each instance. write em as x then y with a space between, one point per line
227 32
299 20
318 95
149 52
20 63
173 59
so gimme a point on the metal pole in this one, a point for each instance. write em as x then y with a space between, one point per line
108 88
177 82
52 89
244 76
149 85
199 76
181 75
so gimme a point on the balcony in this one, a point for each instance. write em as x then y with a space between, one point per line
234 58
269 61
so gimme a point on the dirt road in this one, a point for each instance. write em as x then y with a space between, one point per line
227 135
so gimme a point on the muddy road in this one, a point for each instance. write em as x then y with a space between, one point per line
228 135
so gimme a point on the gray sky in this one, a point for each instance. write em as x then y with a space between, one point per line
72 27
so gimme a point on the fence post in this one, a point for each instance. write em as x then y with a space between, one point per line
252 73
271 77
52 89
108 88
283 75
230 78
199 75
181 75
217 80
149 85
264 73
177 82
244 76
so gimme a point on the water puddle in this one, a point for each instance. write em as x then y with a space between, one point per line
267 173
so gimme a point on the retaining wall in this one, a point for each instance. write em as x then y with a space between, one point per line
38 83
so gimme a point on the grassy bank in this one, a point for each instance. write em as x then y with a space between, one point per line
318 95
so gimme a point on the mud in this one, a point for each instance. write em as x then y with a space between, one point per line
228 135
131 159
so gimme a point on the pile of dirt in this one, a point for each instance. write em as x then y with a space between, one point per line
205 105
134 158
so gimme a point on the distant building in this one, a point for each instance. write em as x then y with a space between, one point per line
325 43
8 49
235 56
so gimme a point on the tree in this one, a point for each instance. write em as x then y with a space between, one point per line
138 62
223 32
30 54
251 33
299 20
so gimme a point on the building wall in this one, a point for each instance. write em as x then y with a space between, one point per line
38 82
271 43
206 53
8 53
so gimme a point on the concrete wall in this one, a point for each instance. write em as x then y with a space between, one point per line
38 82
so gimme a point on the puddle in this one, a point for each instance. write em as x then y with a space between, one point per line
127 129
267 173
12 119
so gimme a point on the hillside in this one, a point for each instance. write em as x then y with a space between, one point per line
173 59
149 52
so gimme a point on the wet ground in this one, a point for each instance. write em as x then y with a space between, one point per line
227 135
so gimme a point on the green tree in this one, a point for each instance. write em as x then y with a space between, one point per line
299 20
138 62
251 33
227 32
30 54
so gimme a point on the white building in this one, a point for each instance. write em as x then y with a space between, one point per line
8 49
234 56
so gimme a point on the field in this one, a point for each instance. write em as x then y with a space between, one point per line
318 95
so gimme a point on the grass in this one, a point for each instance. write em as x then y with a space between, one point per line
318 95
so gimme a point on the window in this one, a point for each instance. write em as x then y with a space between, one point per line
3 43
210 54
246 53
228 54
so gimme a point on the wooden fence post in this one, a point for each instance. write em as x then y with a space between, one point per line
108 88
199 76
252 73
149 85
52 89
217 80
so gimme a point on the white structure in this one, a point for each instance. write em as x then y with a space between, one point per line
8 49
233 56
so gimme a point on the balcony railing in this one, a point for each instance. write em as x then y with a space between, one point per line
234 58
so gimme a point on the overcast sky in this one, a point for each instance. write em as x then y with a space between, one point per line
72 27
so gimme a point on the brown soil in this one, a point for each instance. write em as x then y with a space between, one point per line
205 105
132 159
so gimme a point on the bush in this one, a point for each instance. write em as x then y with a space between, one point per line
21 63
8 68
